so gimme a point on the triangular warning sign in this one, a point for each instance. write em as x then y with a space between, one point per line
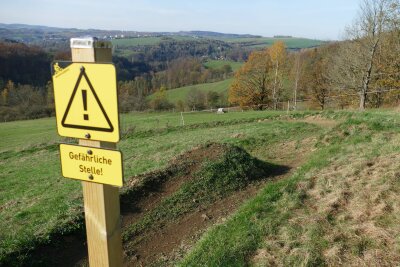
84 109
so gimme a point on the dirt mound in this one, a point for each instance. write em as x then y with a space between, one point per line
143 192
178 203
164 212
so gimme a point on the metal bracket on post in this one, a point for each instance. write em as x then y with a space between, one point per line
90 49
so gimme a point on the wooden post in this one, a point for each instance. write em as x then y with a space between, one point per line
182 120
288 107
102 208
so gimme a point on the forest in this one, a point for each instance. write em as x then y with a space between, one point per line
25 81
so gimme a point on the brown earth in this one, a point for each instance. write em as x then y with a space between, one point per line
170 242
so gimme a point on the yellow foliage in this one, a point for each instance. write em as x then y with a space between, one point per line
250 86
277 52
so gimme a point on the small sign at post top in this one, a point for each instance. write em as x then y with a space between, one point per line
91 164
86 101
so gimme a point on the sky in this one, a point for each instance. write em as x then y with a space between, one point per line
317 19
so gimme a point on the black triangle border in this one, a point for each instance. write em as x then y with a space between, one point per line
111 127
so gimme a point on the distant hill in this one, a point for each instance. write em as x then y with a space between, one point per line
39 35
27 26
217 34
31 33
17 26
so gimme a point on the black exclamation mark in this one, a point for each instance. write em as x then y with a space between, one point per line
84 98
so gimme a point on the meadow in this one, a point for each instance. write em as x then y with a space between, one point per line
291 43
37 202
339 207
139 41
218 64
336 160
174 95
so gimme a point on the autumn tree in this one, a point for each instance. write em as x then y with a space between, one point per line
195 99
160 101
4 97
9 87
50 98
315 77
277 53
251 83
180 105
212 99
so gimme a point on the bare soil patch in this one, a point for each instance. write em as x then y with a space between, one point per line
169 244
320 121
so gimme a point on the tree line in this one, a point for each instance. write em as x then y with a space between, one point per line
25 71
361 71
158 55
180 72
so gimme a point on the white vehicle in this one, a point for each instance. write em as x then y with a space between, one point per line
221 111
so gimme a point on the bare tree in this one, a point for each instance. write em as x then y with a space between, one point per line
355 63
296 74
278 56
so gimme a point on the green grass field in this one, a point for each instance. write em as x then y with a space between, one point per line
36 203
14 134
218 64
268 41
176 94
327 212
127 42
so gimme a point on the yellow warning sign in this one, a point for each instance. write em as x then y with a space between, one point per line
96 165
86 101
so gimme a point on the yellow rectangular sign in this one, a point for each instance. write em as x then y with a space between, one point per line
86 101
89 164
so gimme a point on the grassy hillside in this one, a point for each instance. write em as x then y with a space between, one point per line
174 95
28 133
126 42
339 208
37 203
337 205
291 43
218 64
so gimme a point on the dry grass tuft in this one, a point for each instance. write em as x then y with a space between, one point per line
350 216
